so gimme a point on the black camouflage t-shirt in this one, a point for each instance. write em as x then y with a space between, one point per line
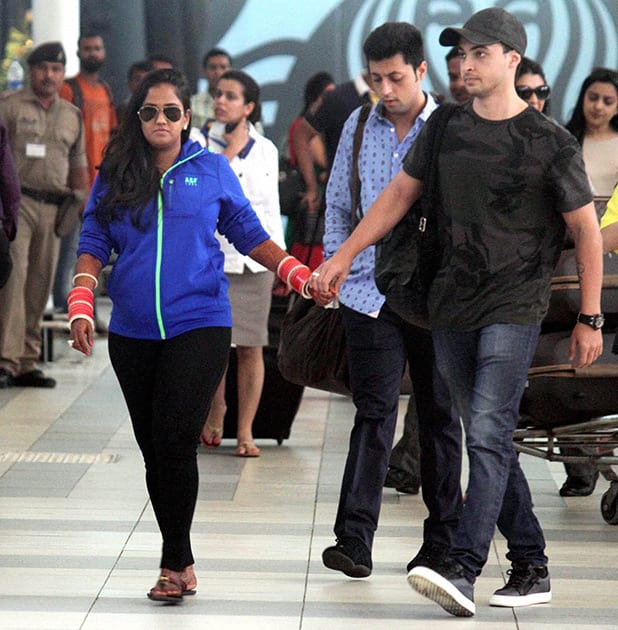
503 187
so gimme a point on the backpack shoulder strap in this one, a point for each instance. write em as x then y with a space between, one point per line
356 147
78 97
108 89
441 117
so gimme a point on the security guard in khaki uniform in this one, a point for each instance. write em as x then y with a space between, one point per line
46 136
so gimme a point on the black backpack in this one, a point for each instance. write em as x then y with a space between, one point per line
408 257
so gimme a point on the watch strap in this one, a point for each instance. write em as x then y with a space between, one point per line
594 321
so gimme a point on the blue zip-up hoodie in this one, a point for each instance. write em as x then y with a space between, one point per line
168 277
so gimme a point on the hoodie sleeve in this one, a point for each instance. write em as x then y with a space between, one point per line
94 239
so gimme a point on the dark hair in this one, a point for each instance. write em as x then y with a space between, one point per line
152 57
529 66
452 53
215 52
315 86
392 38
577 123
138 66
128 166
250 91
87 35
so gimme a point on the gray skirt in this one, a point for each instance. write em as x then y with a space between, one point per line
250 295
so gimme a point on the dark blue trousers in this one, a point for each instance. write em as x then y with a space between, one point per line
377 352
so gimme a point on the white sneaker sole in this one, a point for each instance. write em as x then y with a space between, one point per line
515 601
437 588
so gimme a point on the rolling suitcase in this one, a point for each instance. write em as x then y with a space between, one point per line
280 399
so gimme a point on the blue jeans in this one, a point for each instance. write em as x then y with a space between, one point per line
485 372
377 352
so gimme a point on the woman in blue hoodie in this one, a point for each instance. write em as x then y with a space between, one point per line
157 202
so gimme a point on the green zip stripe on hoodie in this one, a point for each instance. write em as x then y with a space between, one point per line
160 242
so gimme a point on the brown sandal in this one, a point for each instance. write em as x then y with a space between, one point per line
169 588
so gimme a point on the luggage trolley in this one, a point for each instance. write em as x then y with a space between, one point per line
566 406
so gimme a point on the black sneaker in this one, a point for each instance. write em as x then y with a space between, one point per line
349 555
431 554
449 588
527 585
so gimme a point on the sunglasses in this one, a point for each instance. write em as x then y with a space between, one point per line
149 112
542 92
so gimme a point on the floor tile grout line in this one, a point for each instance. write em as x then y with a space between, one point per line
113 567
314 516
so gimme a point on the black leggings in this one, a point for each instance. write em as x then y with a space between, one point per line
168 387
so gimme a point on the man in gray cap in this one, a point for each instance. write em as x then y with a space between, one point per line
46 136
509 182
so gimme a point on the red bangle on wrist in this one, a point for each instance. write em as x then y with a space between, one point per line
295 275
81 304
298 279
285 266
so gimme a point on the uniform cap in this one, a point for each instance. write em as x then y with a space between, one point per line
50 51
489 26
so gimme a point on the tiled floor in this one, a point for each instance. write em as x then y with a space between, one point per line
79 546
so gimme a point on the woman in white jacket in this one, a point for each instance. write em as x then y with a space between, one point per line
255 161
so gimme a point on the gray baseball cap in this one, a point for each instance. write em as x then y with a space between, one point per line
489 26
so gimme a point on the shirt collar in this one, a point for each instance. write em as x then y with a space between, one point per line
430 106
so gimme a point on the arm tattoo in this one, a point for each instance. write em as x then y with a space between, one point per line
580 269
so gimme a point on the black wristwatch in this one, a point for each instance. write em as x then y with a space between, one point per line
594 321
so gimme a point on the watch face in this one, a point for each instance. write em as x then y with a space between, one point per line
599 320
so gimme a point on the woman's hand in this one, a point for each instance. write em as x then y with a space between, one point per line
238 138
82 336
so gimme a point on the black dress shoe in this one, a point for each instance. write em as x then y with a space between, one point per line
6 379
579 486
408 489
402 481
36 378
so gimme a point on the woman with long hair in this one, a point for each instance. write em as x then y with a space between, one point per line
594 123
156 202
